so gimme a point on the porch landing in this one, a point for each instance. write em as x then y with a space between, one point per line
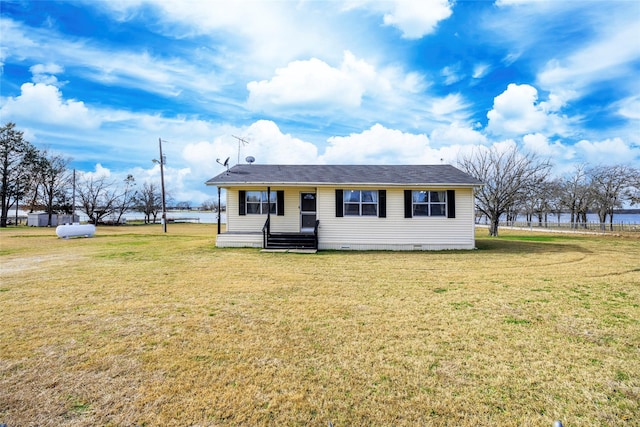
291 251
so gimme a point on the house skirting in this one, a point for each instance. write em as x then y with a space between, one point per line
239 240
254 240
395 247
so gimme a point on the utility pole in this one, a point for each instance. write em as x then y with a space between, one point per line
73 199
162 161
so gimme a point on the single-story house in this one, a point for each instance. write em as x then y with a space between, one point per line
348 207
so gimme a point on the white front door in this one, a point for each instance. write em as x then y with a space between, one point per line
307 211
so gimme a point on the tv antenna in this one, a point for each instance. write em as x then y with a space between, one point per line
225 164
241 142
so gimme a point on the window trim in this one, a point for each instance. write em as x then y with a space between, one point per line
449 204
277 202
360 203
427 206
380 203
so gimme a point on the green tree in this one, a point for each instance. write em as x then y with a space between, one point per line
16 156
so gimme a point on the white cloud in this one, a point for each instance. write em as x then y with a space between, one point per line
202 155
258 35
47 101
480 70
45 73
629 107
137 69
608 58
98 172
455 134
380 145
539 144
266 143
318 87
608 152
515 2
601 45
312 82
451 74
516 111
451 108
414 18
417 18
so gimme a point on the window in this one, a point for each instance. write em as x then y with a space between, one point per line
360 202
257 202
429 203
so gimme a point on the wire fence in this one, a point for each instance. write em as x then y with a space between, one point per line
594 227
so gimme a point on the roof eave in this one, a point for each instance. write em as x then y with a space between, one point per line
341 184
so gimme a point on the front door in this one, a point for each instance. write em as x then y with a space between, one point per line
307 212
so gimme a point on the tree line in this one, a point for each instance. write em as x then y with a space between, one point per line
514 183
517 183
40 180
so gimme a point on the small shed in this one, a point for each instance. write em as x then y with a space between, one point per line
41 219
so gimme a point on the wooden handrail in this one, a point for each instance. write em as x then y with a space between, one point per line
315 232
266 232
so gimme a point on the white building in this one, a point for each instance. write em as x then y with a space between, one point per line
348 207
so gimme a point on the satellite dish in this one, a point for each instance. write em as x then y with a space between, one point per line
225 164
250 159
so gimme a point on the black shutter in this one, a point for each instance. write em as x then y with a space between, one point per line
451 203
242 200
280 202
339 204
408 204
382 203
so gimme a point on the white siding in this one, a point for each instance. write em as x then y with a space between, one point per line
239 240
395 232
289 223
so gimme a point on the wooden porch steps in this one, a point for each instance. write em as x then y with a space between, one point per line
291 241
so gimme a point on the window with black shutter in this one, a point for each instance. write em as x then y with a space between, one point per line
451 203
339 203
242 200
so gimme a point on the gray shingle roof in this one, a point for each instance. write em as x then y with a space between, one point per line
392 175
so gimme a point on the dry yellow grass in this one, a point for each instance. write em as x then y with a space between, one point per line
134 327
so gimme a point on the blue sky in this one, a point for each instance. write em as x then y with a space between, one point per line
312 82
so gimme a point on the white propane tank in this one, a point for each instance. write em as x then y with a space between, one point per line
75 230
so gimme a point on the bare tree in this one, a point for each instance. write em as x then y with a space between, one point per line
577 195
54 180
98 197
609 186
633 192
556 199
16 154
507 175
127 199
209 205
149 201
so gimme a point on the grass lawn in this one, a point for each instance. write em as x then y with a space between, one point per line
137 327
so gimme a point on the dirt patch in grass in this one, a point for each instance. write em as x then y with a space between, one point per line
137 327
